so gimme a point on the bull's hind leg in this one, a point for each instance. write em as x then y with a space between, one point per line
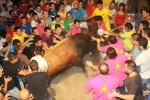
82 66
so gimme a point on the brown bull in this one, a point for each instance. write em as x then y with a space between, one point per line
69 52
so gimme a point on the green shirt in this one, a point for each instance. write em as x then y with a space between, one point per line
127 38
67 22
54 23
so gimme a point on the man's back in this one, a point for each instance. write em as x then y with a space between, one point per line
133 86
37 85
102 85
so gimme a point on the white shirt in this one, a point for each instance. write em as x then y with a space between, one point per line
68 8
143 60
9 4
41 62
2 40
3 14
33 23
39 14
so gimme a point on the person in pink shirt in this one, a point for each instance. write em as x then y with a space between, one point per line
116 63
40 26
76 29
113 41
103 84
101 24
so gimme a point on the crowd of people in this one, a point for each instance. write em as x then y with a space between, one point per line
30 28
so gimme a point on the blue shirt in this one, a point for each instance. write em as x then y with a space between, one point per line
27 28
48 21
3 27
83 11
11 49
138 21
136 52
79 14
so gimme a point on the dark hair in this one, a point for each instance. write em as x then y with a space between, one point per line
19 13
123 5
33 28
46 28
98 18
34 14
15 42
143 8
12 56
14 5
143 42
11 23
147 31
38 50
76 21
111 53
112 39
68 13
145 23
31 12
51 3
23 18
131 65
57 26
30 7
103 71
17 48
99 2
10 12
47 4
61 4
113 2
135 36
38 6
37 39
16 28
4 4
129 26
34 65
57 16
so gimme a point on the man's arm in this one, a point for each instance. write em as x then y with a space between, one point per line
113 18
124 97
7 80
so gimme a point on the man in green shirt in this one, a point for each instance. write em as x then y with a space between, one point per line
69 21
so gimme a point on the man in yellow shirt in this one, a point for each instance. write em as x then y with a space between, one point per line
104 12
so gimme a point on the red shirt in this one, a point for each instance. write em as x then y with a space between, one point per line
89 9
120 19
10 32
23 9
18 21
43 7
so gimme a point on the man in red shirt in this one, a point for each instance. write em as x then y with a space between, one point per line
18 19
10 31
90 8
23 7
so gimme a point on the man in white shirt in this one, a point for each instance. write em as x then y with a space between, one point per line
39 11
38 57
143 61
35 18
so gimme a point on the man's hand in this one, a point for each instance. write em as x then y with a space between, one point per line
112 95
31 97
7 79
89 63
43 69
145 93
1 87
7 97
1 71
96 39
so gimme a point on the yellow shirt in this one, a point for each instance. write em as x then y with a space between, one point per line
21 38
105 13
148 44
127 38
62 15
106 2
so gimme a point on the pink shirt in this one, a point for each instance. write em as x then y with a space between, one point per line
75 30
102 26
116 66
118 46
102 85
41 29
